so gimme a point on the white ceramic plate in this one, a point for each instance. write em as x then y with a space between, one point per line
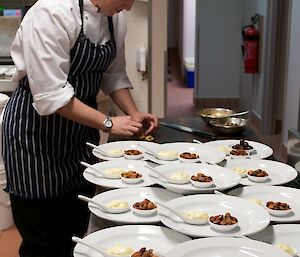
122 145
223 178
288 195
225 247
288 234
279 173
138 166
206 153
251 217
137 236
262 151
132 195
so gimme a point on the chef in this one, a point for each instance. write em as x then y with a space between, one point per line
63 51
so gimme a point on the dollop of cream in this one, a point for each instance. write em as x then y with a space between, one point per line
168 154
114 152
241 171
290 250
120 250
181 175
257 201
118 204
196 215
114 171
224 149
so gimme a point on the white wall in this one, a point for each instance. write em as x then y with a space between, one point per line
219 46
189 20
291 112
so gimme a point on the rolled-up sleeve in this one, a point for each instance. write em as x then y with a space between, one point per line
115 77
44 42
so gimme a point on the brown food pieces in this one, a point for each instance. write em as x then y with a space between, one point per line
239 152
258 173
132 152
189 156
200 177
243 145
143 252
278 206
144 205
131 174
226 219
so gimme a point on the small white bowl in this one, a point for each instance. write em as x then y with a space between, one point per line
188 160
133 157
232 156
257 179
223 228
145 213
201 184
278 213
132 180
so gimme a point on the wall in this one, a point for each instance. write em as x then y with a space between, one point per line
137 35
173 23
219 48
251 88
292 98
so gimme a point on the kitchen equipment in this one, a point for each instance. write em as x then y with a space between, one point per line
188 129
229 125
209 114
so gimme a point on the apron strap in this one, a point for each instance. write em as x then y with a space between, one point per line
111 29
81 15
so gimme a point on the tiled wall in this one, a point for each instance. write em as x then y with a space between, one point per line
137 35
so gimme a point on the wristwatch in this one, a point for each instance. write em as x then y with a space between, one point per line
108 123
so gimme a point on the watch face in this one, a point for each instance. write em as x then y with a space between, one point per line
108 123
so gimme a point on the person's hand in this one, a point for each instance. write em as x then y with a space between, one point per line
149 121
125 126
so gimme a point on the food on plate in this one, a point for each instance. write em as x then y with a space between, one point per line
290 250
131 174
117 204
189 156
239 152
278 206
242 145
118 152
168 154
114 171
257 201
120 250
180 175
147 138
196 215
224 149
143 252
132 152
145 205
257 173
200 177
225 220
241 171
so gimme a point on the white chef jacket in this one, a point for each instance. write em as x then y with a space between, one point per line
41 50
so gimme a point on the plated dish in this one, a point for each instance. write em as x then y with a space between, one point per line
134 167
222 178
278 173
117 150
259 151
284 236
205 153
251 217
264 194
135 197
225 247
134 236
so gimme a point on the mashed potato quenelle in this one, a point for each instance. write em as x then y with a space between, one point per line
115 152
241 171
180 175
224 149
168 154
290 250
120 250
114 171
257 201
117 204
199 215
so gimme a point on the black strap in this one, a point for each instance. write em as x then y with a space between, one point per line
81 14
111 29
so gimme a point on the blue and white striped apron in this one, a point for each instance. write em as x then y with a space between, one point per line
42 154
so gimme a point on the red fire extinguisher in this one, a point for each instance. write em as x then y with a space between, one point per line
251 47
